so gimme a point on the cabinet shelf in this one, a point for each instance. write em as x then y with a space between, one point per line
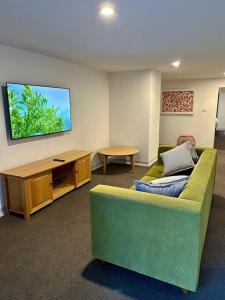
61 189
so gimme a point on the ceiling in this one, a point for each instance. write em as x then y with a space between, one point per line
145 34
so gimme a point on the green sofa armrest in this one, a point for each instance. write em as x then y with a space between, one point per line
155 235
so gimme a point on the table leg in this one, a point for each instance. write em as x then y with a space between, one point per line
104 163
132 162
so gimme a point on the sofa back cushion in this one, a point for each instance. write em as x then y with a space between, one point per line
201 178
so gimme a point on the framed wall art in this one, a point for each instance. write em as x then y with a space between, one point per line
177 102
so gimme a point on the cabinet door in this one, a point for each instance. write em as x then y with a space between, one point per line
41 192
83 170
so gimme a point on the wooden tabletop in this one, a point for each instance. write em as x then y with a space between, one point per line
45 164
119 151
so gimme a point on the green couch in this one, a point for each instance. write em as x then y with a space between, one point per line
155 235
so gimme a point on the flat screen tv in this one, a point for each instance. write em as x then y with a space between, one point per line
37 110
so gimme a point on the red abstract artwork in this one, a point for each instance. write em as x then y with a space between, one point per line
177 101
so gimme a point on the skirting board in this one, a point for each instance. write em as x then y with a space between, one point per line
120 161
96 166
2 212
137 163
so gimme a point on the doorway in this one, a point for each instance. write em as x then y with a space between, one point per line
219 142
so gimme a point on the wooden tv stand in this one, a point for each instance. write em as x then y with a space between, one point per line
30 187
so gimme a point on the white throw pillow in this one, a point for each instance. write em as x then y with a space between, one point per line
177 159
169 179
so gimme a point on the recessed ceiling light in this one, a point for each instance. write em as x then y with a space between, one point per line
224 73
107 9
176 64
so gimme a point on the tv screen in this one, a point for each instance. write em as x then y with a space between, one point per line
37 110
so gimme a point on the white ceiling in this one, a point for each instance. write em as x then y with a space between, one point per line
145 34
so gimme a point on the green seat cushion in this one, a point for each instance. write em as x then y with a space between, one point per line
147 178
155 171
144 179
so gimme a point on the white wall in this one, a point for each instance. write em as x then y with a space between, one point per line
221 111
89 105
129 110
154 115
202 123
132 96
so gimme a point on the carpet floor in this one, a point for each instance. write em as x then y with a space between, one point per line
49 257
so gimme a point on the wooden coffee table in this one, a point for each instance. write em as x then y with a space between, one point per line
118 151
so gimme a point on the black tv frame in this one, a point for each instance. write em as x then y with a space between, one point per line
9 117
